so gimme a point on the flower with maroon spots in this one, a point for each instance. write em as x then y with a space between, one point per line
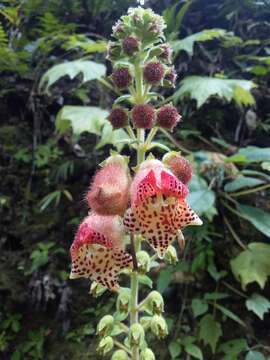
98 250
158 206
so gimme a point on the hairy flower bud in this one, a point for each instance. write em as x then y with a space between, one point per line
105 325
168 117
153 72
170 77
113 51
123 301
105 345
118 117
154 303
147 354
118 30
179 166
136 335
159 326
109 192
144 261
171 257
130 45
143 116
121 77
120 355
166 54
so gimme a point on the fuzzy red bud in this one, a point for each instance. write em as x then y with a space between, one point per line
179 166
143 116
121 77
130 45
118 117
153 72
168 117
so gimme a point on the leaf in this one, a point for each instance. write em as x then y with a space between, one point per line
174 349
254 355
233 348
252 265
80 119
229 314
199 307
255 154
210 331
242 182
201 88
201 198
258 304
187 44
163 280
258 218
145 280
90 70
194 351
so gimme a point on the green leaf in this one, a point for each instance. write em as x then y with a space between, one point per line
233 348
201 198
258 218
174 349
252 265
215 296
194 351
242 182
254 355
163 280
255 154
258 304
145 280
229 314
201 88
199 307
80 119
187 44
210 331
90 70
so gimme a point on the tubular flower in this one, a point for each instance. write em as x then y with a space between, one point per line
109 192
158 207
98 251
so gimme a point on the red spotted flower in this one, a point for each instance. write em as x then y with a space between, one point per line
158 207
98 250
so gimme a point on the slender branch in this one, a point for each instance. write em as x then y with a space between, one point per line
121 346
175 142
247 192
234 235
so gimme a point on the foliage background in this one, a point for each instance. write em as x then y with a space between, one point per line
217 295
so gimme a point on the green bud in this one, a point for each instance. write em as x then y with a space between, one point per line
105 345
147 354
154 303
96 289
171 255
136 335
120 355
113 51
105 325
123 300
159 326
144 262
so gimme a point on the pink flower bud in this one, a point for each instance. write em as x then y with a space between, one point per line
143 116
180 166
118 117
121 77
168 117
98 251
130 45
153 72
158 206
109 192
170 77
166 54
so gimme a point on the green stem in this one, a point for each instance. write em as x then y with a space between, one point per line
247 192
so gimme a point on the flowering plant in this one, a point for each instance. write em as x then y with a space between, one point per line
148 207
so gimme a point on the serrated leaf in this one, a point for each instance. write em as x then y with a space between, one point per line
242 182
199 307
258 218
187 44
89 70
194 351
210 331
80 119
201 88
258 304
252 265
